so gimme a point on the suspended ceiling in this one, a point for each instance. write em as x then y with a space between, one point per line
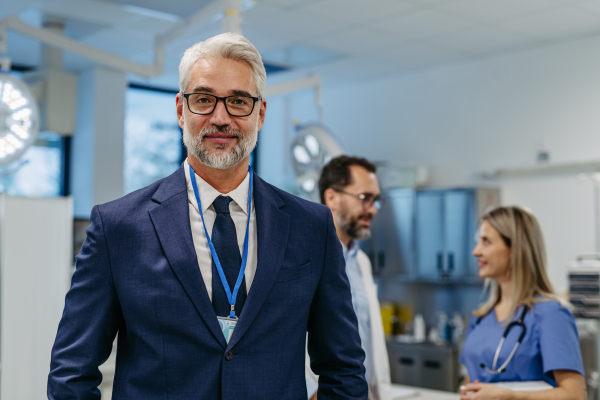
348 39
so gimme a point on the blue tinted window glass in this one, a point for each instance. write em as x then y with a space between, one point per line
152 138
38 172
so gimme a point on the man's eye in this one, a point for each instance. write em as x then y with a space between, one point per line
240 101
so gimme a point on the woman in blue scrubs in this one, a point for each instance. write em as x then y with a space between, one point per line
540 336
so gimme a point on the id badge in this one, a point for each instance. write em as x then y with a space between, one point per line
227 326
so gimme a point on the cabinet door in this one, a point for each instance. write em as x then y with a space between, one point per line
398 232
390 247
405 364
429 226
457 207
438 369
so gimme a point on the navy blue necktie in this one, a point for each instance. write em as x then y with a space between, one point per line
224 239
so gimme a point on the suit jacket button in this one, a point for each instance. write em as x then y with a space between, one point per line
229 355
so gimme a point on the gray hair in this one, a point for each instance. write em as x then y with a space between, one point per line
230 46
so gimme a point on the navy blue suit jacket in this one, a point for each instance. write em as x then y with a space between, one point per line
137 275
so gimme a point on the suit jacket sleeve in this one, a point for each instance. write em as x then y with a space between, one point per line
333 340
89 323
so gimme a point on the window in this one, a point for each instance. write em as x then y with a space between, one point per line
39 172
153 145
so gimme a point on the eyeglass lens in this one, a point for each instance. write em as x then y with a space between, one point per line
206 103
369 201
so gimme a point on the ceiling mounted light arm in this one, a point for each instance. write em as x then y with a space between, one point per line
207 13
313 81
63 42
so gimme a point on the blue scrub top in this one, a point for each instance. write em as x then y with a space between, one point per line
551 342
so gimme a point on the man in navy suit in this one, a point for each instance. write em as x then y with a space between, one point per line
211 277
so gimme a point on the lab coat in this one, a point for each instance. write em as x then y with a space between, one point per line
381 364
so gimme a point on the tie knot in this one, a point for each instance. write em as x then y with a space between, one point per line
221 204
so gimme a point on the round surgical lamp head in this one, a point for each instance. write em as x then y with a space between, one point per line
313 147
19 118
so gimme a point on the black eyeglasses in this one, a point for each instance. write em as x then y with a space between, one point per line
236 106
368 199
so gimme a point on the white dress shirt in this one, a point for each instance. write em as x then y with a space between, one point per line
360 302
239 214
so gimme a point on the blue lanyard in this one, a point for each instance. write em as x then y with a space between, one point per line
231 296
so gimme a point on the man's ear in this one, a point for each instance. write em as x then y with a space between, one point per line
332 199
179 104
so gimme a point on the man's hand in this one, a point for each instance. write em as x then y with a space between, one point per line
484 391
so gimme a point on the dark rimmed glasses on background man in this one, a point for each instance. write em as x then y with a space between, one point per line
368 199
236 106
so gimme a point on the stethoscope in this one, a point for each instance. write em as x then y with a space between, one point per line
518 322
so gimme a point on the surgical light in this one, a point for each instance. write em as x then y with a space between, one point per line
19 118
312 148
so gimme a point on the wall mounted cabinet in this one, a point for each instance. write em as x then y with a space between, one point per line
445 225
428 234
391 247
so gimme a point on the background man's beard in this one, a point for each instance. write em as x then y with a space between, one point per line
219 159
351 227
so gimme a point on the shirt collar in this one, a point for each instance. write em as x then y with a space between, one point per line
350 250
208 194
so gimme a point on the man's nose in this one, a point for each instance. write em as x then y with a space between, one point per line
220 116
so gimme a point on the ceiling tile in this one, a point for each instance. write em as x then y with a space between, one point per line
289 4
425 23
98 12
265 42
563 24
113 41
151 26
8 7
263 9
355 69
355 41
492 10
592 6
413 55
294 25
181 8
359 11
482 40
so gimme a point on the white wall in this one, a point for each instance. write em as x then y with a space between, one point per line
36 255
464 119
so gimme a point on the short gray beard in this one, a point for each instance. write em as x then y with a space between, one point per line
350 225
219 160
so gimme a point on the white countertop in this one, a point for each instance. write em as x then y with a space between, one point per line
402 392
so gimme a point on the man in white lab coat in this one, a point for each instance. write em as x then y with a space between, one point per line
349 187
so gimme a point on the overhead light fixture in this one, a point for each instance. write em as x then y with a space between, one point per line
19 118
313 147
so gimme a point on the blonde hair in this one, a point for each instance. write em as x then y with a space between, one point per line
521 232
230 46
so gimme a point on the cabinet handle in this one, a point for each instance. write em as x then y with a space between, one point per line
432 364
406 361
440 263
450 263
381 260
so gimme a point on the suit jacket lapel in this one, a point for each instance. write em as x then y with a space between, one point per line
272 226
172 224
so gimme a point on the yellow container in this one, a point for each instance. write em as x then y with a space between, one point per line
388 316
